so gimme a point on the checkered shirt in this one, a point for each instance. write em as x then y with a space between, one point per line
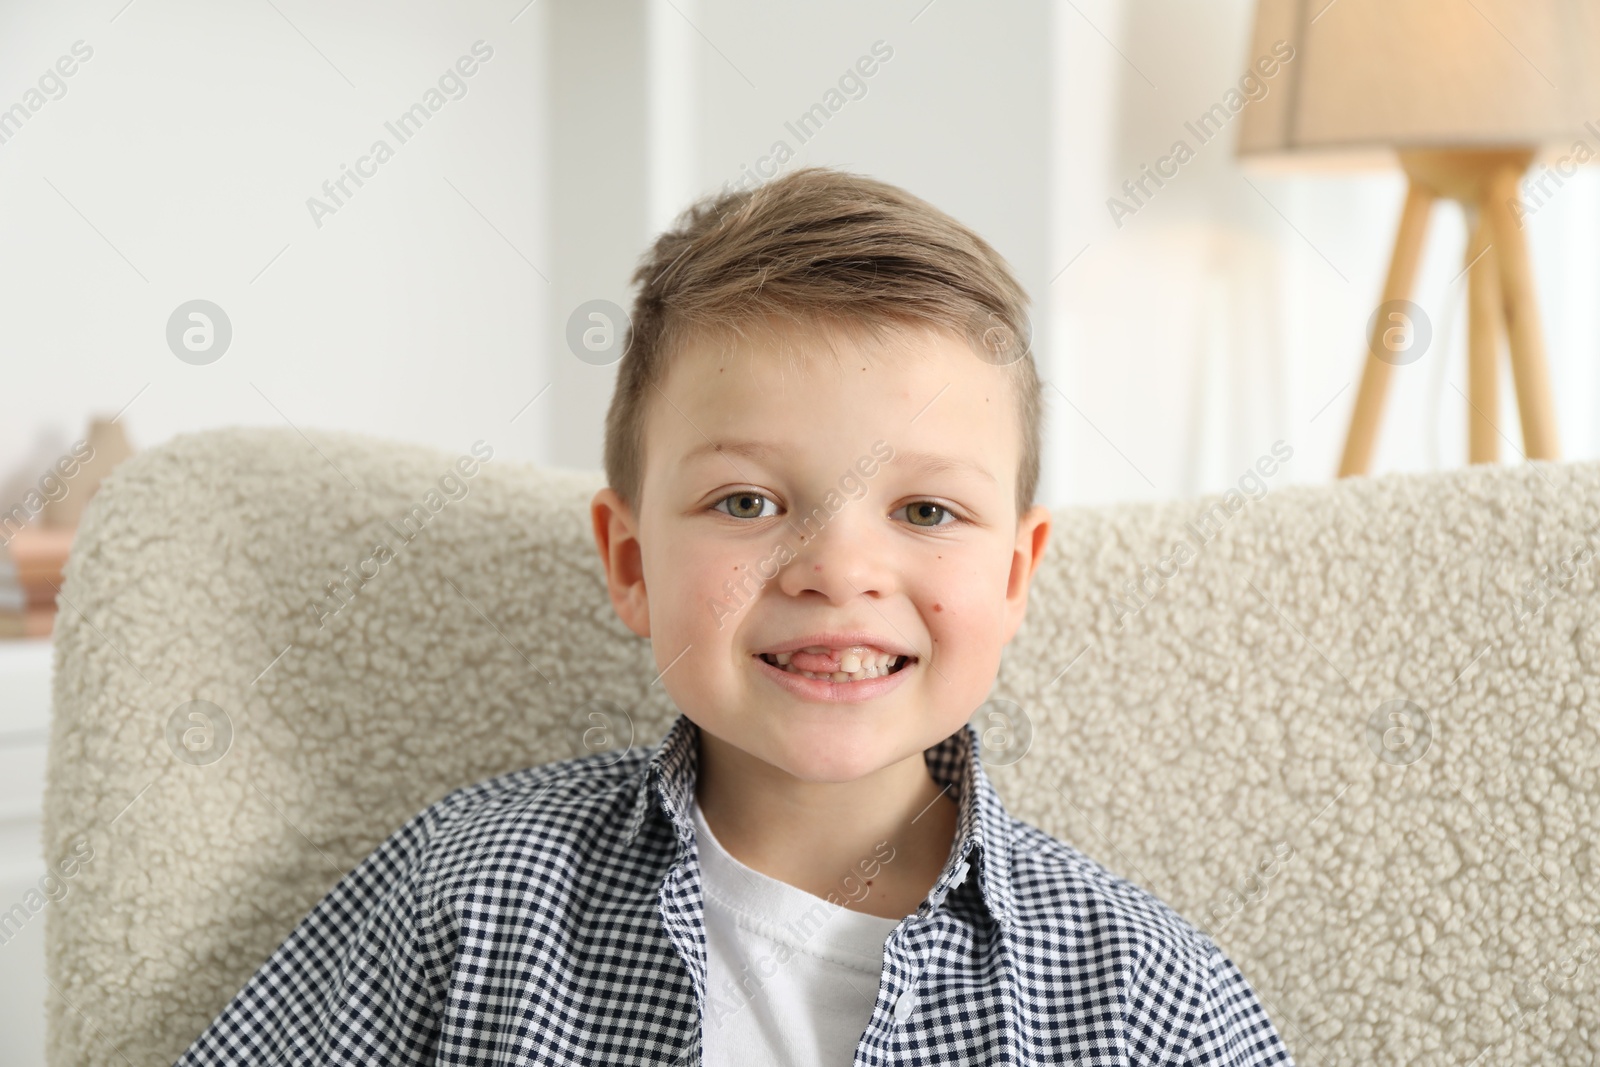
554 915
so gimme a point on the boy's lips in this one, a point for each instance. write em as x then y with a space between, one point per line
826 691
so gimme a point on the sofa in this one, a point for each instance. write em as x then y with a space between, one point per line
1350 730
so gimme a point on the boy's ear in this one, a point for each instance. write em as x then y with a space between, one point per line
1033 533
616 536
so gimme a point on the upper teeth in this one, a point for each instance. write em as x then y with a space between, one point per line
852 661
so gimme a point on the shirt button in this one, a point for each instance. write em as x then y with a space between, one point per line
903 1006
959 875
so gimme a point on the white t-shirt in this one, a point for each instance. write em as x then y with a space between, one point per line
791 977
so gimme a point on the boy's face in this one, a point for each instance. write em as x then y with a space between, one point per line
714 582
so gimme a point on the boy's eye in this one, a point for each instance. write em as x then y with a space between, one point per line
924 509
743 504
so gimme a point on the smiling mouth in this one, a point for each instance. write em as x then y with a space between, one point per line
899 663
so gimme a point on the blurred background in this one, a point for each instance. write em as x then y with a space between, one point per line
190 164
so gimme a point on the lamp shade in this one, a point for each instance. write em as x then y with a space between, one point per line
1368 76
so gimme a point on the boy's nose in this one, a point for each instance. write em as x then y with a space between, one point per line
839 563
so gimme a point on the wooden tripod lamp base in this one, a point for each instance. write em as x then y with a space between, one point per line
1501 299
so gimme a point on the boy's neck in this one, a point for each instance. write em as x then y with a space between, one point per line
821 837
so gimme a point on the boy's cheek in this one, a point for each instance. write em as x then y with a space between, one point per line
962 595
965 632
704 595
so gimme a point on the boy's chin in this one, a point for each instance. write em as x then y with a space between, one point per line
823 749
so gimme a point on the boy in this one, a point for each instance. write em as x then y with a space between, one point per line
821 453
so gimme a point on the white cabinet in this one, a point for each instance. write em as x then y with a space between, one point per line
24 734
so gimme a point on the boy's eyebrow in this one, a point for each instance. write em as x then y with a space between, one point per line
926 462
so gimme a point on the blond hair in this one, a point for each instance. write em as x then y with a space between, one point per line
818 247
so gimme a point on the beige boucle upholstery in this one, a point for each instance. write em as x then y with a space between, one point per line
1421 892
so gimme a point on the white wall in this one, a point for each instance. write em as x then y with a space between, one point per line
178 166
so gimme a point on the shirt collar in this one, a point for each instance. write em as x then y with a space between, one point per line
982 822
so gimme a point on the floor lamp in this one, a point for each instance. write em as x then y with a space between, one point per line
1467 110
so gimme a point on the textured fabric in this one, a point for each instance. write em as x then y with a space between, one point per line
1203 728
556 916
791 977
